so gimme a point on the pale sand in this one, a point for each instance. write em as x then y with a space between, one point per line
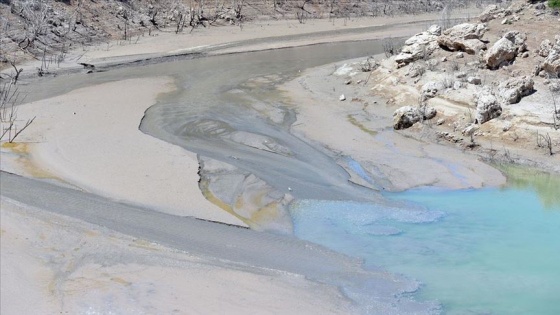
52 264
90 138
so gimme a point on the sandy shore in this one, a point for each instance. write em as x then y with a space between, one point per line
89 138
65 265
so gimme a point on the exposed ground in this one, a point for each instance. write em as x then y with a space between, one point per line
117 267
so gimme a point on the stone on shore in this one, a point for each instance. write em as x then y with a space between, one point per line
512 90
418 46
431 89
505 50
551 64
487 106
463 37
406 116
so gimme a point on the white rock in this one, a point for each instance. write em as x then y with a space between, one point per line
434 30
505 49
487 107
544 48
342 97
463 37
512 90
406 116
430 89
489 13
470 129
551 64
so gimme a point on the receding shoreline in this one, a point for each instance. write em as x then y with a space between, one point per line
82 106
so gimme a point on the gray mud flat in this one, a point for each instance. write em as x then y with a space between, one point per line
376 291
222 112
226 108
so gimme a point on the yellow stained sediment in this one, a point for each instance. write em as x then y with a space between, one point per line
143 244
356 123
24 159
121 281
203 185
266 213
262 214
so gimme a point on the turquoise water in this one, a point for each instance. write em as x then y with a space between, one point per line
491 251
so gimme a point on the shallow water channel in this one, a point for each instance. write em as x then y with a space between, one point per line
490 251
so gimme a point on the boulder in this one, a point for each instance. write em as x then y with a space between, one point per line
544 48
491 12
470 130
410 53
512 90
418 46
406 116
415 70
487 107
551 64
463 37
431 89
434 30
554 86
505 49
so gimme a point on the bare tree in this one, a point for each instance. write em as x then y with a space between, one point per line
555 112
389 48
10 128
35 12
544 141
15 76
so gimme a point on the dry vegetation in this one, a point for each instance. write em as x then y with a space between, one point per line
48 27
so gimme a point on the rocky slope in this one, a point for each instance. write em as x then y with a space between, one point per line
490 86
50 28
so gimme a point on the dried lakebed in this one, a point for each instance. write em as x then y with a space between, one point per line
227 110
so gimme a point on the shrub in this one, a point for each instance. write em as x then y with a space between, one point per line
554 3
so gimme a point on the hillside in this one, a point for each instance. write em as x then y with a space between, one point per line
48 27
